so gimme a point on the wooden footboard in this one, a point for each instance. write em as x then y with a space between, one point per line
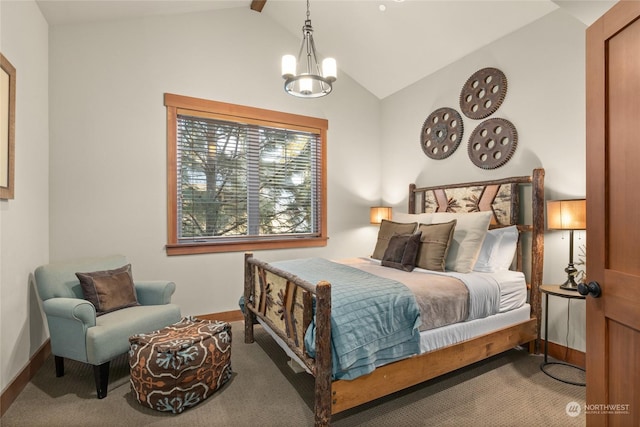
285 303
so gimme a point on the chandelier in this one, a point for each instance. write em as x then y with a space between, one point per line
311 82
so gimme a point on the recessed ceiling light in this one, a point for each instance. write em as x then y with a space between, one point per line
382 8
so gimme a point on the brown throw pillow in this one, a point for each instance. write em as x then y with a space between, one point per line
434 246
387 230
109 290
402 251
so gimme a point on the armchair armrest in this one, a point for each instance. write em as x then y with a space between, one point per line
68 320
71 308
154 292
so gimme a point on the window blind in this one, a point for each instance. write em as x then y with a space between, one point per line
246 181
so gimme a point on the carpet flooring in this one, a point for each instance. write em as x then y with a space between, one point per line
505 390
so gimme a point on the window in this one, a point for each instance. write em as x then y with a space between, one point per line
243 178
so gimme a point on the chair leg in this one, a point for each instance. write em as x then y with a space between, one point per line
59 366
101 374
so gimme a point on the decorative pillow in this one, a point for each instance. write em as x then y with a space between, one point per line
498 250
402 251
386 231
422 218
434 245
109 290
468 236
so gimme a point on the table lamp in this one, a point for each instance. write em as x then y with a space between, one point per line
567 215
378 213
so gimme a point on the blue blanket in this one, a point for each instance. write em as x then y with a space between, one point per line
374 320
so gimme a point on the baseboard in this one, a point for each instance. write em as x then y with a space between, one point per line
566 354
225 316
22 379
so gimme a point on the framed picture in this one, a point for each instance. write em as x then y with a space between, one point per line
7 127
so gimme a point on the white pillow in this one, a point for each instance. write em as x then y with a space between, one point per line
471 229
508 245
490 246
498 250
421 218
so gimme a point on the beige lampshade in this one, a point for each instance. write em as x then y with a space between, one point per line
378 213
567 214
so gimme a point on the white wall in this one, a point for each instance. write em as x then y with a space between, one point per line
108 140
24 221
544 66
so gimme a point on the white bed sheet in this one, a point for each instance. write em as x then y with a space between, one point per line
434 339
513 289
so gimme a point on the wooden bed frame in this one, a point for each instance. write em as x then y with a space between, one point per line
284 302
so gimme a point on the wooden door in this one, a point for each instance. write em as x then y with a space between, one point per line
613 217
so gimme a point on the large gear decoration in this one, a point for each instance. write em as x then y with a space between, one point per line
492 143
483 93
441 133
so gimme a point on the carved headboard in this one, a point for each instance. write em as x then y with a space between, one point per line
502 197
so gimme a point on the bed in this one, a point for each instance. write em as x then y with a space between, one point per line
278 297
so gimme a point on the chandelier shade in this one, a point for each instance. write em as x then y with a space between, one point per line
311 81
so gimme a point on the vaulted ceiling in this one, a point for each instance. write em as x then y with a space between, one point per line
384 50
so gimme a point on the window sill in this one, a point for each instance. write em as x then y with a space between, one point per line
256 245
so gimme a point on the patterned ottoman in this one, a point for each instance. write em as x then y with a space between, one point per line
181 365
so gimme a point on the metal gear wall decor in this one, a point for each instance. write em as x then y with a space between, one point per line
483 93
441 133
492 143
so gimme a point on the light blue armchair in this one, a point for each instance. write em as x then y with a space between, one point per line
75 331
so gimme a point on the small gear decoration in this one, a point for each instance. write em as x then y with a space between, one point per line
492 143
441 133
483 93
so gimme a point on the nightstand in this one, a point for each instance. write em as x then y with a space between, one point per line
561 293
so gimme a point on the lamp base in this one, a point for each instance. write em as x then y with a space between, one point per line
570 285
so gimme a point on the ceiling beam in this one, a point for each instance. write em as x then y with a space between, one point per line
257 5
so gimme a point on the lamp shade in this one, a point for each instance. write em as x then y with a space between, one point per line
378 213
567 214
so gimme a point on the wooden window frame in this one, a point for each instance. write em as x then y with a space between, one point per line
233 112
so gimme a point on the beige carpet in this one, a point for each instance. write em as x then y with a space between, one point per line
506 390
